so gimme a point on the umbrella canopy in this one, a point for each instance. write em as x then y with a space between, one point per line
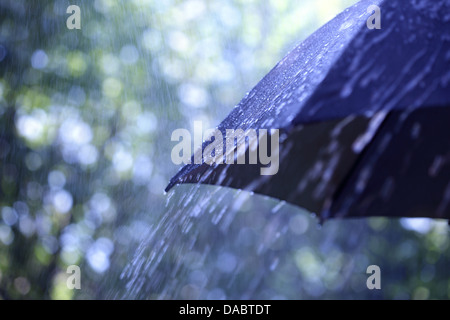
363 116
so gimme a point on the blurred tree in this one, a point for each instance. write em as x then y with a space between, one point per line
85 123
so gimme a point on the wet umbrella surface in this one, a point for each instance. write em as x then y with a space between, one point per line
363 116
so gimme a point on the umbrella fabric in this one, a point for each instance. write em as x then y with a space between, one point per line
363 116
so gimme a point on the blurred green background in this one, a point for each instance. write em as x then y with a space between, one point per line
85 123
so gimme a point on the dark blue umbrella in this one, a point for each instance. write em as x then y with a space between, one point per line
363 115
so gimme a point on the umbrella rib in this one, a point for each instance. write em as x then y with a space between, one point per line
340 189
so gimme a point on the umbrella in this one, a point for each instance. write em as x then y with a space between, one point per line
363 116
